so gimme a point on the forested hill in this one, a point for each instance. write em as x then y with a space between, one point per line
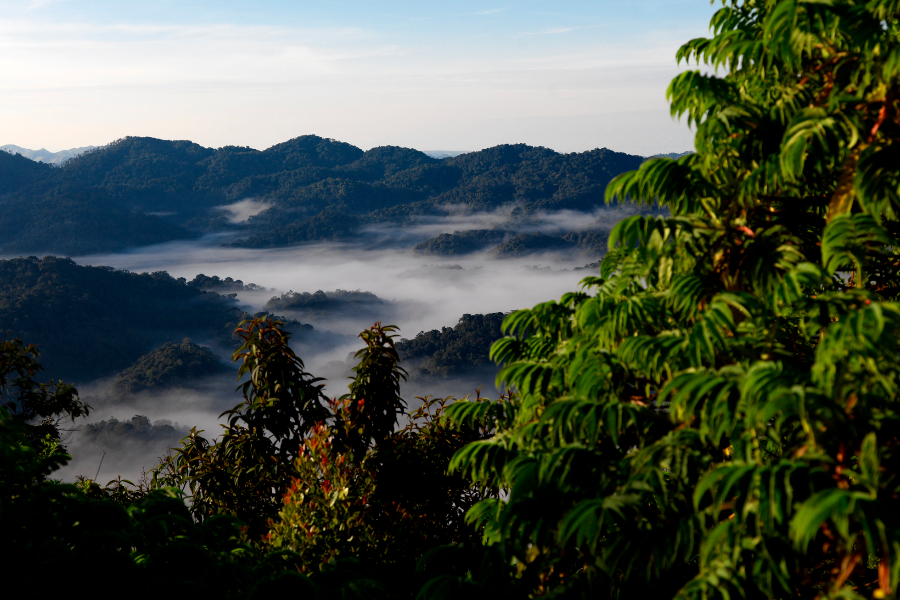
453 350
171 364
90 322
138 191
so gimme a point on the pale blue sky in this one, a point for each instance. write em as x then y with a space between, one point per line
570 75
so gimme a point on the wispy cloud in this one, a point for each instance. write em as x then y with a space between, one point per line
74 77
550 31
37 4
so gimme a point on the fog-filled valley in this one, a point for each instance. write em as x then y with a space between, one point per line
555 355
172 245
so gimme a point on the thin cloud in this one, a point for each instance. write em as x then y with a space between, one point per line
27 27
38 4
490 11
551 31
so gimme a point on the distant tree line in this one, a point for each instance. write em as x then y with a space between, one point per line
137 191
169 365
455 350
712 416
343 303
95 321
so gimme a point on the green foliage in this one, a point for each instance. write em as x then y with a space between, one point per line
591 241
714 415
17 172
509 244
373 407
216 284
388 504
92 322
117 441
327 225
38 407
248 470
128 533
69 531
321 482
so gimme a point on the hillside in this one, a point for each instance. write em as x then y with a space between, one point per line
139 191
453 350
461 242
45 156
169 365
346 303
90 322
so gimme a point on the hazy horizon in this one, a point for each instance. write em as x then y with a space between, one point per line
571 76
437 153
421 293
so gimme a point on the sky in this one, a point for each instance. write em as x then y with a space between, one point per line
464 75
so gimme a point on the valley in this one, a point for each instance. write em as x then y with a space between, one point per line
171 243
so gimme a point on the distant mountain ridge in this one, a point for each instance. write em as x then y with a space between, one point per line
45 156
137 190
672 155
91 322
444 153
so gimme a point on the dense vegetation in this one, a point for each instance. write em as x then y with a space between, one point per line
335 500
453 350
17 172
713 416
127 438
132 534
95 321
342 303
325 226
169 365
591 242
139 191
461 242
216 284
521 235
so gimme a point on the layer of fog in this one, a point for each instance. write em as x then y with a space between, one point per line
503 217
425 292
422 293
131 454
105 458
240 211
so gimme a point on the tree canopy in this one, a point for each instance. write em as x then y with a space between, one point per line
714 415
138 191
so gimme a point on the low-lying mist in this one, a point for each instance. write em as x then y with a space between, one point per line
417 293
115 435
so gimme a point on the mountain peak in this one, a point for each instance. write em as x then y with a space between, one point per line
45 156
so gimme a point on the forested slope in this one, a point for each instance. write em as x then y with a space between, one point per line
453 350
138 191
714 417
169 365
92 321
95 321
